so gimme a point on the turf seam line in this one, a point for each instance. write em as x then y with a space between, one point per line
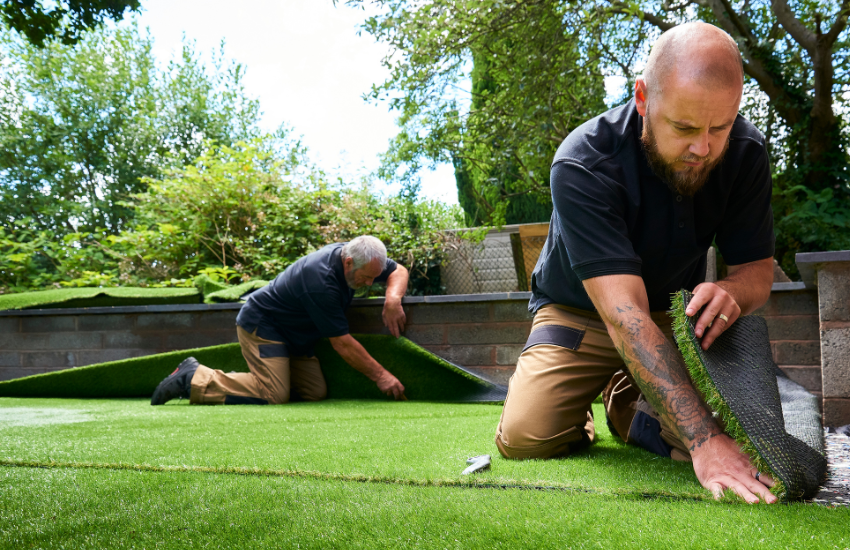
310 474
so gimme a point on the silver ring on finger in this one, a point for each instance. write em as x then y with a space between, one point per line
758 475
723 317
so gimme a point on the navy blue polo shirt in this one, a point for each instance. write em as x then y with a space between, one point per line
305 303
613 215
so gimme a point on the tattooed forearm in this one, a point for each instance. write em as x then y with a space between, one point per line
659 372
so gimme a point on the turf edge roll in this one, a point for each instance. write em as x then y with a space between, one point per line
688 343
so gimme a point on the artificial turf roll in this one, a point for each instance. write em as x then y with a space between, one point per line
425 376
232 293
98 297
774 420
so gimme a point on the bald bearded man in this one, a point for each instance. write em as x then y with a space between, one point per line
639 194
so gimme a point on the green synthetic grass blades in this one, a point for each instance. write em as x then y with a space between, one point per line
424 375
692 353
232 293
99 297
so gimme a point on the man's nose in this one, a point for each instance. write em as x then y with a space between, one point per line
700 146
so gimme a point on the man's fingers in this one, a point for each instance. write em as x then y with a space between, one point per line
757 489
709 317
749 489
699 299
716 490
766 480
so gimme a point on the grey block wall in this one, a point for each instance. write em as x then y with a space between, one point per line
483 332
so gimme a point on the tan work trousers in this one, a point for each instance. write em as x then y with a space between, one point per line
273 374
548 407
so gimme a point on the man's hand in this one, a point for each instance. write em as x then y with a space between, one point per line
717 302
657 368
356 355
394 317
744 290
390 385
719 465
393 314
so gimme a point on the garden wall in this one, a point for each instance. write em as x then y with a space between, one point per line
484 332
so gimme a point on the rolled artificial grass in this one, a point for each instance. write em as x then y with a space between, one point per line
737 379
98 297
424 375
72 508
206 290
233 293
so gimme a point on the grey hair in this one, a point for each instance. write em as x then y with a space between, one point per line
718 64
363 250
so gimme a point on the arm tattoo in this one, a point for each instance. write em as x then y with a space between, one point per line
663 379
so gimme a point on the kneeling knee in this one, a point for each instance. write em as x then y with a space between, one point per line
316 394
278 397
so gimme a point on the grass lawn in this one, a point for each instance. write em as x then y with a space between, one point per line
120 473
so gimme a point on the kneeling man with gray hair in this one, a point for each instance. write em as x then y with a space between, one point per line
280 323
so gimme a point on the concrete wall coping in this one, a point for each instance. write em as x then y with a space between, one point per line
358 302
809 262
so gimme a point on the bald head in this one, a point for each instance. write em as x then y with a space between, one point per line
698 52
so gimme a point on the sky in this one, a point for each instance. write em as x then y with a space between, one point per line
308 68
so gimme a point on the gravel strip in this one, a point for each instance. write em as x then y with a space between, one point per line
836 491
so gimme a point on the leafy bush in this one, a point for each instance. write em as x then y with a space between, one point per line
236 213
807 221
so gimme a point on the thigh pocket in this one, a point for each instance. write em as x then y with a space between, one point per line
273 350
555 335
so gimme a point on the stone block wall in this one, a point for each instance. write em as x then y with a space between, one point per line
834 293
482 332
792 323
485 336
34 342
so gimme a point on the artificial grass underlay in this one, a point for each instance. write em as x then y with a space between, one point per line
424 375
294 475
98 297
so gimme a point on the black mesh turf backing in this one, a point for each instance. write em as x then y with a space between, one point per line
779 417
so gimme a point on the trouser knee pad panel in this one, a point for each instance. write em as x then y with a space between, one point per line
555 335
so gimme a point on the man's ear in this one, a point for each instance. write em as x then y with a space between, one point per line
640 96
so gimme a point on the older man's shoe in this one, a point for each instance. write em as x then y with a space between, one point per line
177 384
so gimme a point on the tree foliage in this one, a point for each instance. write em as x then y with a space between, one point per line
544 61
66 20
532 83
81 126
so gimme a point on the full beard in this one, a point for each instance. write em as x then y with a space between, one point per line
684 182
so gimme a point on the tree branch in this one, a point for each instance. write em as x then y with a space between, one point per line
802 35
621 7
839 25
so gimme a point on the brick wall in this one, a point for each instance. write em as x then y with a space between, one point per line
485 336
482 332
37 342
792 323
